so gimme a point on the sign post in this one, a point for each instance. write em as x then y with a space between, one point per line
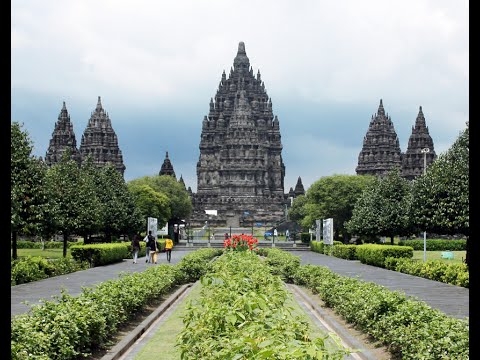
152 226
317 231
328 231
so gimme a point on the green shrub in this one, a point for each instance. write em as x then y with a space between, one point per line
34 268
72 327
408 327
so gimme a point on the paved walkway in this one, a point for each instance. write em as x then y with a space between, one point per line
452 300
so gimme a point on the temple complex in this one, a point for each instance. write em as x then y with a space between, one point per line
240 171
63 138
381 149
100 141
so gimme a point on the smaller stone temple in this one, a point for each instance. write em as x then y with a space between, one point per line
414 161
63 138
181 181
299 190
381 149
100 141
167 168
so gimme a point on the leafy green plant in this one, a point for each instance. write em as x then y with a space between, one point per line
407 326
242 315
72 327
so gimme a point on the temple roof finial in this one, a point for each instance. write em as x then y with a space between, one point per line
381 110
99 104
241 48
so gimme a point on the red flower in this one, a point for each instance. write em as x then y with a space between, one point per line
241 243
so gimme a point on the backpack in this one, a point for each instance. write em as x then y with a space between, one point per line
151 242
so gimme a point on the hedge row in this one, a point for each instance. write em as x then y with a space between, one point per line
407 326
398 258
72 327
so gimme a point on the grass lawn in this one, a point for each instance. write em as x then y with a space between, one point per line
458 256
161 345
47 253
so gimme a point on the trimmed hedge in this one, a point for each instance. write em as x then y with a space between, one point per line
72 327
34 268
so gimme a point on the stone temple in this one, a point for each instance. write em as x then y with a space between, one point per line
98 140
167 168
63 138
381 149
240 171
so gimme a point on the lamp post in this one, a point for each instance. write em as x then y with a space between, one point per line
425 151
208 232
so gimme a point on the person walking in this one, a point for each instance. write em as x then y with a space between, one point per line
135 247
152 245
147 248
168 248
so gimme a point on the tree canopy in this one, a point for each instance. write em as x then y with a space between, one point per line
334 197
441 196
383 209
180 203
27 197
151 203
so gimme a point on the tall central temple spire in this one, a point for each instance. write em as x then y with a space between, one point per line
240 169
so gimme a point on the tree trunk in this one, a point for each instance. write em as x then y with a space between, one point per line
467 258
14 244
391 239
65 242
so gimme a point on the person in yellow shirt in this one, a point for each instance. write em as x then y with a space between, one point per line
168 248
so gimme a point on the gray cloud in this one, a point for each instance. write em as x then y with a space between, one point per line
325 65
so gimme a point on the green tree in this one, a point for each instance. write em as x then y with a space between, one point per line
366 214
441 196
70 198
180 203
120 215
27 197
334 197
151 203
26 186
384 209
296 212
91 221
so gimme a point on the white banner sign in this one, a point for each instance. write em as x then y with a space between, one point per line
163 230
317 231
152 225
328 231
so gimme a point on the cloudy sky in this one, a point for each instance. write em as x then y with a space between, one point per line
157 64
